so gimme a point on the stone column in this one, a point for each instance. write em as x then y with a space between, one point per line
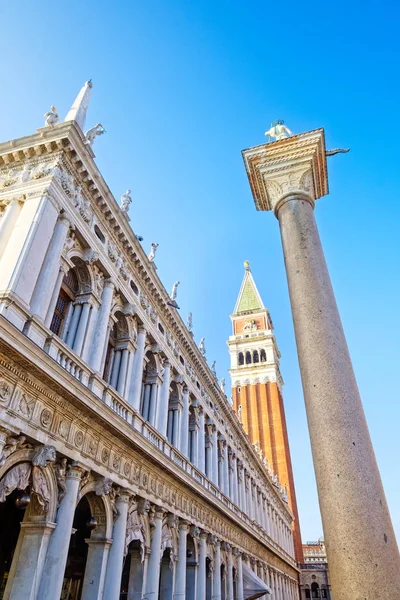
226 471
49 272
153 569
214 455
163 400
180 582
135 584
240 595
135 388
229 573
8 221
95 569
112 584
217 571
201 441
57 552
100 332
81 330
201 574
185 423
122 371
351 495
54 296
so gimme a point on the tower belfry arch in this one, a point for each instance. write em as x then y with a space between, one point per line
257 388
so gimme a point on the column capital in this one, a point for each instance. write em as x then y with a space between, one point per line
294 166
109 283
203 535
75 471
184 525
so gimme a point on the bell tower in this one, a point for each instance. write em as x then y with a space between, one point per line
257 388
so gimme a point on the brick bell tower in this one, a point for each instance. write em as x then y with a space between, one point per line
257 388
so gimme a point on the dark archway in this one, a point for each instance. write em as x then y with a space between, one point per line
10 526
77 553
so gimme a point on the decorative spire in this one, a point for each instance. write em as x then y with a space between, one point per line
79 108
249 298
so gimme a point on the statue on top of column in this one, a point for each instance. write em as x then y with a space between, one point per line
202 346
153 251
278 130
51 117
126 201
92 133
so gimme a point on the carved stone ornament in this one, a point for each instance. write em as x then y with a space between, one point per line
5 391
13 443
103 486
98 281
46 417
112 252
67 183
60 470
26 406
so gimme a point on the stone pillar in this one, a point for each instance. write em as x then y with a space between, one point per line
95 570
201 574
29 557
112 584
153 569
49 272
81 330
226 470
100 332
135 387
240 595
135 584
54 296
214 455
185 423
217 571
8 221
122 371
201 441
229 573
163 400
180 582
350 491
57 552
249 497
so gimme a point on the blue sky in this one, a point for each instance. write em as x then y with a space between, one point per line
181 88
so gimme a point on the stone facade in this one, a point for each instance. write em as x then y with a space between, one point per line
124 471
314 572
257 391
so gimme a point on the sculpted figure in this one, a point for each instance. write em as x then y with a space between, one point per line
93 133
60 469
222 384
213 371
113 493
15 478
103 486
126 201
13 443
278 130
153 251
43 456
174 291
202 346
239 413
51 117
189 323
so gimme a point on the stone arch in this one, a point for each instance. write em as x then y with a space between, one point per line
100 507
25 456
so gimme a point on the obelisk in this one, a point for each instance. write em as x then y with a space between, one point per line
288 176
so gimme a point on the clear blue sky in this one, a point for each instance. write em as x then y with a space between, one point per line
181 88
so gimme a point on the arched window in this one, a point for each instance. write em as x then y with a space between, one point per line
315 590
66 297
255 356
248 358
263 355
308 593
241 358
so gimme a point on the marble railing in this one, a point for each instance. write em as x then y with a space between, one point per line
67 359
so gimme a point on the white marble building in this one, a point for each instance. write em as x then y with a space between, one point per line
124 472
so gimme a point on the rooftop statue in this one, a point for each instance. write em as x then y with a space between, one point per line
222 384
336 151
126 201
174 291
51 117
278 130
202 346
93 133
213 371
153 251
189 323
